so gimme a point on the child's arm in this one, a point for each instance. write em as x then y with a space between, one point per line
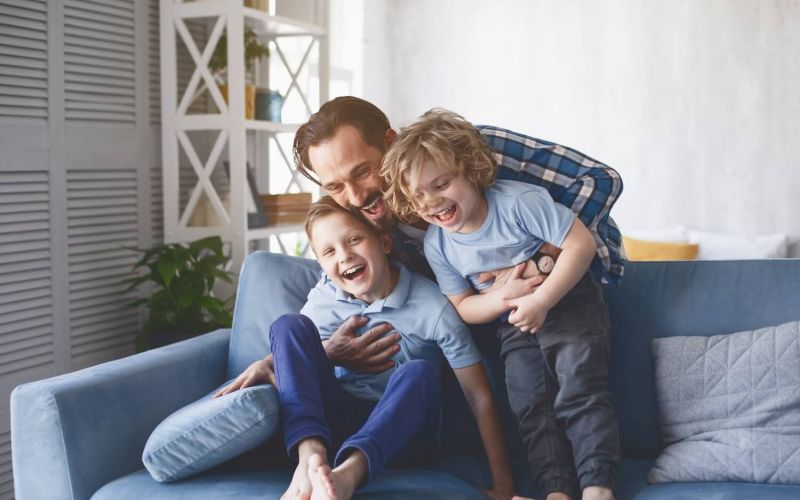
475 384
477 308
577 253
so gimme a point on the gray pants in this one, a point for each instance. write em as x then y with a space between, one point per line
556 381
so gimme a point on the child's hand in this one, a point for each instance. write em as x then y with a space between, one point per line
529 313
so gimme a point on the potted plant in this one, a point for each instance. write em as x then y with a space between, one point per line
182 303
254 51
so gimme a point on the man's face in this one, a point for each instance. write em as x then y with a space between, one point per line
348 169
353 256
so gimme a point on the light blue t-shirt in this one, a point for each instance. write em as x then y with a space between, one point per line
520 219
428 324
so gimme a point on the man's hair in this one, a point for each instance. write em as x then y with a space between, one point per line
370 122
326 206
444 138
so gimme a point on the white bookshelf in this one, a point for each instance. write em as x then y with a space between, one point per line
229 136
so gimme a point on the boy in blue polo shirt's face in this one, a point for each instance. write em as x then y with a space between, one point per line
371 419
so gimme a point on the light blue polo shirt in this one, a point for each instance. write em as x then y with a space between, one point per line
428 324
520 219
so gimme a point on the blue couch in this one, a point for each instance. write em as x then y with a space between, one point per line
81 435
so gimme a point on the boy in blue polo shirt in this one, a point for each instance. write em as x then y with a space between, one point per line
555 340
371 418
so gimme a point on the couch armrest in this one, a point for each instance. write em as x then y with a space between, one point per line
73 433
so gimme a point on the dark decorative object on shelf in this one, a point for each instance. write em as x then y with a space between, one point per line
256 216
182 304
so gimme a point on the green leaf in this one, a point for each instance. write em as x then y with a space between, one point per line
166 269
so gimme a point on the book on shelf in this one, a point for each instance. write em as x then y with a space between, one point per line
287 208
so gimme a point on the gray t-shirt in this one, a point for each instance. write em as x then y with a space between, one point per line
520 219
428 324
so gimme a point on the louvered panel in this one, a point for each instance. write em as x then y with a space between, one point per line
32 329
23 59
102 222
6 477
154 63
26 293
26 332
112 335
99 61
108 248
28 345
25 359
24 275
87 356
157 204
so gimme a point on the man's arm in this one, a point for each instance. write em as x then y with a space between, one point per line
475 384
588 187
370 352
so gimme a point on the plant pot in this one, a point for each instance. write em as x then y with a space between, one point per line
249 99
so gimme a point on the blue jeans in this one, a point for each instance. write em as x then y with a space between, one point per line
402 425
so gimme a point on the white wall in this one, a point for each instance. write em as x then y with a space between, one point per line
695 103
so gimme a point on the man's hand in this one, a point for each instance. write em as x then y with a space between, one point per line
530 273
513 282
370 352
259 372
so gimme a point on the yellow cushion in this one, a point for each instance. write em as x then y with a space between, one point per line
659 250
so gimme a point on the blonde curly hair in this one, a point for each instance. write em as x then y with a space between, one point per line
444 138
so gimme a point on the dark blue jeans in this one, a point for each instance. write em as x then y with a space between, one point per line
400 428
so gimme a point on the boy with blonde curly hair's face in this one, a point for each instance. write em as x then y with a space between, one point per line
555 340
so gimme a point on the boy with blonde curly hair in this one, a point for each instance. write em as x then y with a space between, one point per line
555 340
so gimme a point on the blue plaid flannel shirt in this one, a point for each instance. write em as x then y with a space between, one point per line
585 185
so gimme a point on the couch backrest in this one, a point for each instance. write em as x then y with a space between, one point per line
666 299
270 285
655 299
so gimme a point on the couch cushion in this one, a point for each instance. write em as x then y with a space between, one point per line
211 431
255 483
729 406
665 299
270 285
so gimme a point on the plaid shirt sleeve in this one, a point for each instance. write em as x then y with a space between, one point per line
585 185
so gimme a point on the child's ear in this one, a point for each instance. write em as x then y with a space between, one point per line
386 243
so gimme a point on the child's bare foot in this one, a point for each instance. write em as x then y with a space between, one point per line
300 487
597 493
339 483
322 480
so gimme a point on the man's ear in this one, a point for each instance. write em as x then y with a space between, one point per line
386 242
389 138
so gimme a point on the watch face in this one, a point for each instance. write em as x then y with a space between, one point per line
545 264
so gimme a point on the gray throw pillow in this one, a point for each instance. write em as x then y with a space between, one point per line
729 406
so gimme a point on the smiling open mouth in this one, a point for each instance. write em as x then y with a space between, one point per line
354 272
374 205
446 215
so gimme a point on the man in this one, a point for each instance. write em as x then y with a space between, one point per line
341 147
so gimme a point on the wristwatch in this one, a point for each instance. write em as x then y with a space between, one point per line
544 263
